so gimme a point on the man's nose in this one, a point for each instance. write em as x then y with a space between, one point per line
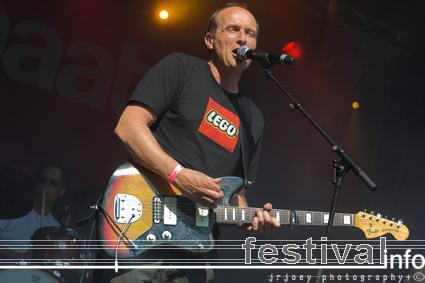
242 36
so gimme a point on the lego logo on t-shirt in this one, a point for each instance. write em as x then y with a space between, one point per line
218 121
220 125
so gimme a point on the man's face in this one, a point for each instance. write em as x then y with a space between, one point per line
236 27
50 178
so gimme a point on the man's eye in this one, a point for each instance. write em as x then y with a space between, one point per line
231 29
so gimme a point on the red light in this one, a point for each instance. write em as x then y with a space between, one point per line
293 49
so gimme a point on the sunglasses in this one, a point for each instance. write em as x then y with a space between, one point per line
52 182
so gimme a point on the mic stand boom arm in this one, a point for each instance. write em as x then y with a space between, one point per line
340 168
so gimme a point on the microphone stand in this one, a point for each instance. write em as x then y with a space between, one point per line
340 168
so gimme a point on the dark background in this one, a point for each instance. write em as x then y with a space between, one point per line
64 101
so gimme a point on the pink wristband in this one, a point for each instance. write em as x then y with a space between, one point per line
175 172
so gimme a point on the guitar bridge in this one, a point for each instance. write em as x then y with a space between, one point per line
126 208
156 210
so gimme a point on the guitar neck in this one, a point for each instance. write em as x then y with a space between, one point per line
237 215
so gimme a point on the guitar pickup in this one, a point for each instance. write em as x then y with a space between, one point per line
202 219
170 211
127 208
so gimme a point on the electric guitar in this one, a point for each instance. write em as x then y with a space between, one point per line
140 210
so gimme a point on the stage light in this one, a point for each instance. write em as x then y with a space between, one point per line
355 105
163 14
293 49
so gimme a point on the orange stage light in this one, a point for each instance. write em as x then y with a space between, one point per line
163 14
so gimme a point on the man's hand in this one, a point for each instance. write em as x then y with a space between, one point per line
263 223
199 187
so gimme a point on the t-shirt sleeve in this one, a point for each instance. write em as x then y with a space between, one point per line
159 88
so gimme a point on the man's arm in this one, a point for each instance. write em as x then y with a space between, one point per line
134 132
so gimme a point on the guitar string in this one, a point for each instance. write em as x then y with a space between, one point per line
284 219
316 217
191 206
238 210
184 208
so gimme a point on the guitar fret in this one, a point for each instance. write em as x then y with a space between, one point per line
285 216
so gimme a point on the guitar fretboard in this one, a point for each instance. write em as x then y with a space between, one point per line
236 215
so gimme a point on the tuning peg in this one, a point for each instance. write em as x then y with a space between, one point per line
386 217
400 221
393 219
372 212
365 210
379 215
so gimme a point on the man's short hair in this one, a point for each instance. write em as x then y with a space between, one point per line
213 22
56 164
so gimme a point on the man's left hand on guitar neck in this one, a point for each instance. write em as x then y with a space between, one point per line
262 223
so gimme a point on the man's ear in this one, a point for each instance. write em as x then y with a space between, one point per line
209 40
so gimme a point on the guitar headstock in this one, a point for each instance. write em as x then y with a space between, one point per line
375 226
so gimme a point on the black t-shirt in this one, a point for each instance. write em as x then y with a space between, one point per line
199 122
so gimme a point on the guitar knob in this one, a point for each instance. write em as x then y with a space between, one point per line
166 235
151 238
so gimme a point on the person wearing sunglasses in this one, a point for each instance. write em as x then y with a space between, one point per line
15 234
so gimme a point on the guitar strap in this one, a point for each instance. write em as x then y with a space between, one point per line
245 116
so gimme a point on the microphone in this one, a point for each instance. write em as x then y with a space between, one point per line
245 53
